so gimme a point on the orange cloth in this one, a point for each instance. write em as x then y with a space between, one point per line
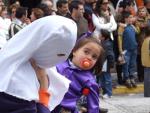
139 3
44 97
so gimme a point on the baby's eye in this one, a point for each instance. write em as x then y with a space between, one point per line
95 57
86 52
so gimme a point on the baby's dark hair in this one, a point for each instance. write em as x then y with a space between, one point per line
98 66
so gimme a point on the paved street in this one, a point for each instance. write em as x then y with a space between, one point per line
131 103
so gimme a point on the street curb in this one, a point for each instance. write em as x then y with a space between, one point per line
124 90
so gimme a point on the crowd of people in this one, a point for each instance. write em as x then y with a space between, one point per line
110 34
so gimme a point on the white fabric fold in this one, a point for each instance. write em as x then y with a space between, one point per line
59 85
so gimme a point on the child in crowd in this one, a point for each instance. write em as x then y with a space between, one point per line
129 46
85 57
109 59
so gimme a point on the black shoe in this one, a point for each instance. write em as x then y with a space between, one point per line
133 83
128 83
103 110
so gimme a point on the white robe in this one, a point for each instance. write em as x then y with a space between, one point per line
45 40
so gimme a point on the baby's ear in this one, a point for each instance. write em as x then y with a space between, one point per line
73 53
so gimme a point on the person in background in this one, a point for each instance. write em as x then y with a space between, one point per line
45 9
49 4
129 50
145 57
118 40
105 79
130 6
4 23
36 13
12 11
143 20
78 69
20 21
103 19
62 8
123 7
89 6
76 9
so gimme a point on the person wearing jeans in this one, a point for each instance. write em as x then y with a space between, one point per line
106 84
105 79
129 45
129 68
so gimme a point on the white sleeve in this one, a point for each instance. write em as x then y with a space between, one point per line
113 22
59 85
99 25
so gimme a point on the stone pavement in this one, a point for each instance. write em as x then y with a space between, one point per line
131 103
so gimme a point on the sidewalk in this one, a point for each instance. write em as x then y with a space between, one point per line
132 103
121 89
124 90
125 100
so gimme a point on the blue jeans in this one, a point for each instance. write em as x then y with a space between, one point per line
106 83
129 68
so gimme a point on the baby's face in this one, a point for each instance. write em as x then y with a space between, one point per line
89 52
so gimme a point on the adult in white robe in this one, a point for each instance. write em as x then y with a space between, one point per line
48 41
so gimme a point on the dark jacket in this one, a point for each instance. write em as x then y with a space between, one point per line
109 53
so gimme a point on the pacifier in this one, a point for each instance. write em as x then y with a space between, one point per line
86 63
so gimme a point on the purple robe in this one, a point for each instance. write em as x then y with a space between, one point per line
79 79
